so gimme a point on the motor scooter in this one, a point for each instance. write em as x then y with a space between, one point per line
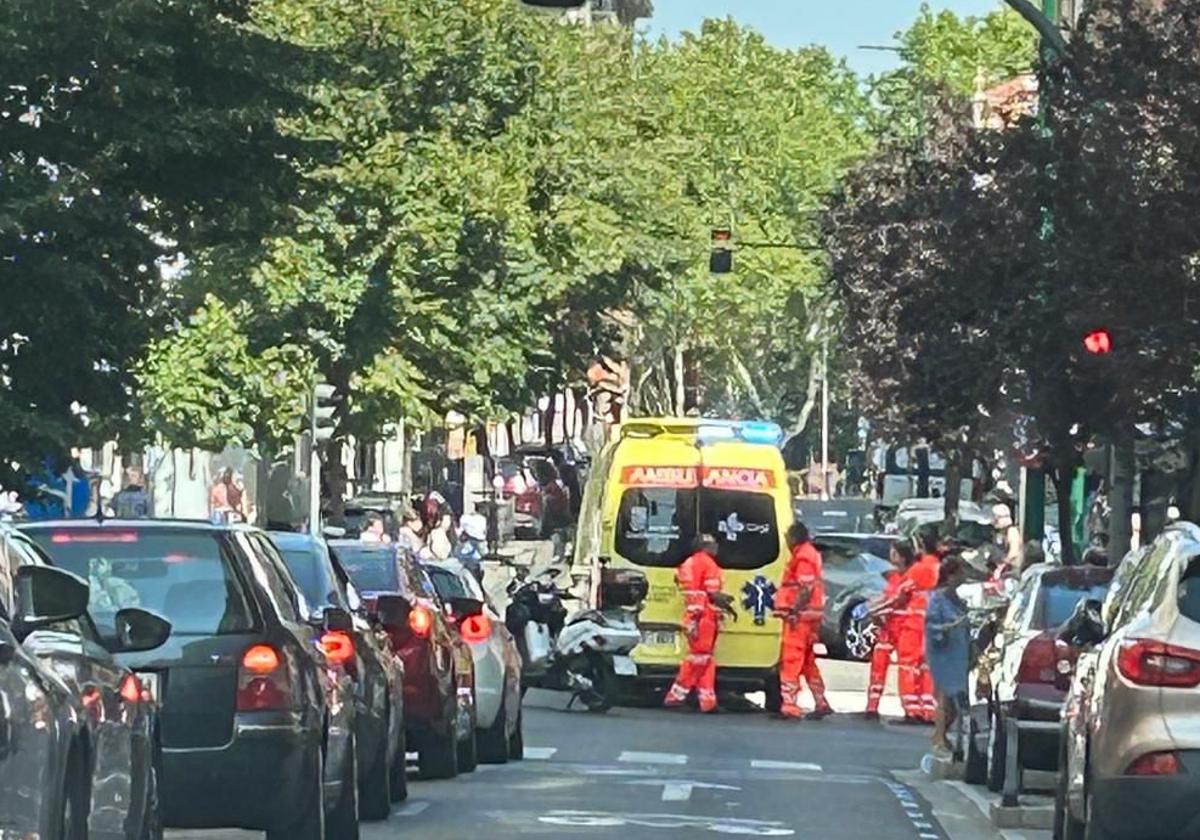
585 653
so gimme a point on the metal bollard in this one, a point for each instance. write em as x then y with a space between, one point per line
1012 765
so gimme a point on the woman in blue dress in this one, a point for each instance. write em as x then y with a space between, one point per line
948 648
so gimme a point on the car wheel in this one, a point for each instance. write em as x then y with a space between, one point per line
492 742
438 755
516 741
975 767
997 753
310 824
375 791
342 822
399 778
858 637
1092 829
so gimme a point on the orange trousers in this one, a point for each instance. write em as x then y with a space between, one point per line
798 660
881 660
698 670
916 683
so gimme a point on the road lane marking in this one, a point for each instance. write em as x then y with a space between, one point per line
540 753
679 790
763 764
676 792
635 757
410 809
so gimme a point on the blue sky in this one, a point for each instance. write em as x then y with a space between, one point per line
841 25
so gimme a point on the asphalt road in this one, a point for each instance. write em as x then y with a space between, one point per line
650 773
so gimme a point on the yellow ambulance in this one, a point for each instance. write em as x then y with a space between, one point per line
656 485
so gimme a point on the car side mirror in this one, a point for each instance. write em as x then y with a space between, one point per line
463 608
139 630
1086 624
47 595
393 610
337 619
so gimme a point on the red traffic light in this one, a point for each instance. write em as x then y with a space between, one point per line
1098 342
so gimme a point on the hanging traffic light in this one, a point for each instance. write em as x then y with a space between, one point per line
324 406
720 258
1098 342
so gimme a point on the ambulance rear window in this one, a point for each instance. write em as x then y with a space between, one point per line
744 525
656 525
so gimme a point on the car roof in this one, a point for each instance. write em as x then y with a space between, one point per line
126 524
379 547
293 539
844 535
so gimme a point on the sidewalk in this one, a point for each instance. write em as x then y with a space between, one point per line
962 810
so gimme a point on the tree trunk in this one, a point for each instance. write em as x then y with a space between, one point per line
810 396
1120 499
954 462
680 391
334 482
1063 478
548 420
748 385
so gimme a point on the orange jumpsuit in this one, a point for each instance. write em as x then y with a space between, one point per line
797 658
916 683
885 642
699 577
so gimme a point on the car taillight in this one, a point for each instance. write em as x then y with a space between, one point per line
263 681
420 622
475 629
1038 664
338 647
1146 662
1155 764
132 691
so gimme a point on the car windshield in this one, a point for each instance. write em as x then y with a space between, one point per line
450 584
372 568
186 577
1057 601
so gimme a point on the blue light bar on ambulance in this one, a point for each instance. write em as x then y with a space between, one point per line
758 432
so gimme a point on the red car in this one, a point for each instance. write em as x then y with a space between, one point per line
541 501
439 672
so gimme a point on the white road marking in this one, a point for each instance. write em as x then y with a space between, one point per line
540 753
411 809
679 790
763 764
676 792
635 757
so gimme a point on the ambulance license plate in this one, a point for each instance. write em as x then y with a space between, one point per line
658 638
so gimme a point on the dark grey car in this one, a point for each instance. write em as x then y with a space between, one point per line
855 570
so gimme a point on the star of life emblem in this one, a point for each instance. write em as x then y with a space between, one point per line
759 598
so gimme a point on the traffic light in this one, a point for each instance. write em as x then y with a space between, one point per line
324 406
1098 342
720 258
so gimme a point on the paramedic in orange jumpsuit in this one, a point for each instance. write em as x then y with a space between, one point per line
916 684
888 632
700 578
799 603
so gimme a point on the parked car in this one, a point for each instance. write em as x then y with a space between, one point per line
256 725
855 570
541 502
571 464
439 674
118 735
1130 764
496 657
1021 678
387 507
44 778
376 669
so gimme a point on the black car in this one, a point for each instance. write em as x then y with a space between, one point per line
257 731
118 736
375 667
44 778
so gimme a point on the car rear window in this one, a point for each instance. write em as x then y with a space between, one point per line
744 525
372 568
184 576
449 584
1189 591
1057 601
656 525
310 569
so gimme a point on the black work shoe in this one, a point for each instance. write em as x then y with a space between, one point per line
819 714
870 715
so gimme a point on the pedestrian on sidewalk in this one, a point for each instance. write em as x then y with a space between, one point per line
948 646
800 604
916 685
132 501
890 618
701 580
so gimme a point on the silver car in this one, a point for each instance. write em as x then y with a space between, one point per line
1131 758
497 660
855 570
